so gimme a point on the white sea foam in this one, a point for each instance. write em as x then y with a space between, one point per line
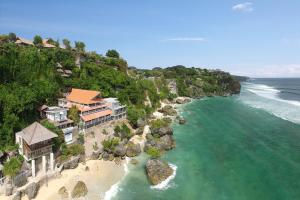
114 189
267 98
164 185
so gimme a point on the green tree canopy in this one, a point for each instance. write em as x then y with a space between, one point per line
67 43
79 46
37 40
112 54
12 37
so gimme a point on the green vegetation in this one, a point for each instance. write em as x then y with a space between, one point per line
72 150
158 123
123 131
13 166
58 141
28 79
73 114
110 144
153 152
112 54
38 41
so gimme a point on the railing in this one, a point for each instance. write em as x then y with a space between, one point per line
39 152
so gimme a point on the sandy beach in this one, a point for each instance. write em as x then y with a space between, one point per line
100 177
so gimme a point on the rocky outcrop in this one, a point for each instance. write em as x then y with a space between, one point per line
8 190
20 179
164 143
120 150
133 149
80 190
72 163
168 110
17 196
181 120
63 192
140 123
182 100
96 154
31 190
162 131
157 171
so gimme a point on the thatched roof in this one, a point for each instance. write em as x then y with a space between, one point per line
36 133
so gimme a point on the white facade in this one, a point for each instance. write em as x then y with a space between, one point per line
118 110
57 114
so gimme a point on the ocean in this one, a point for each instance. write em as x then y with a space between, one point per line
244 147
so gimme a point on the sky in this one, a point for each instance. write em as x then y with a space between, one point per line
259 38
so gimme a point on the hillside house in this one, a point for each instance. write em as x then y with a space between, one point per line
118 110
58 116
93 109
35 142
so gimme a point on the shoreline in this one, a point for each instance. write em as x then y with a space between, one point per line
103 177
99 179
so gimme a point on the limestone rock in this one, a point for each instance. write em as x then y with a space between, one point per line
157 171
17 196
120 150
31 190
72 164
63 192
8 190
80 190
133 149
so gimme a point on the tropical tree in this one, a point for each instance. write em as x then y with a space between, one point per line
74 114
37 40
12 37
112 53
12 167
79 46
67 43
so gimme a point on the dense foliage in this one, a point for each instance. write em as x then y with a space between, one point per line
13 166
29 79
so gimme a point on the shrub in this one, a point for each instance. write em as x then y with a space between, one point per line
110 144
153 152
158 123
13 166
72 150
80 138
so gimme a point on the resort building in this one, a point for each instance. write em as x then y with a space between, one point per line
23 41
93 109
35 142
58 116
118 110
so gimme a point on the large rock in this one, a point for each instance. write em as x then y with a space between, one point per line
80 190
140 123
166 143
120 150
183 100
105 156
63 192
158 171
20 179
168 110
17 196
31 190
181 120
96 154
133 149
72 163
165 131
8 190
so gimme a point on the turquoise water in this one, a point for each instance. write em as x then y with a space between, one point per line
227 150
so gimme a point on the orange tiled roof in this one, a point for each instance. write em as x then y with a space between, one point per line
96 115
83 96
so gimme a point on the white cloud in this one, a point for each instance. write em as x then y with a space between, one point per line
243 7
195 39
270 71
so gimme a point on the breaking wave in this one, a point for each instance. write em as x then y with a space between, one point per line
267 98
